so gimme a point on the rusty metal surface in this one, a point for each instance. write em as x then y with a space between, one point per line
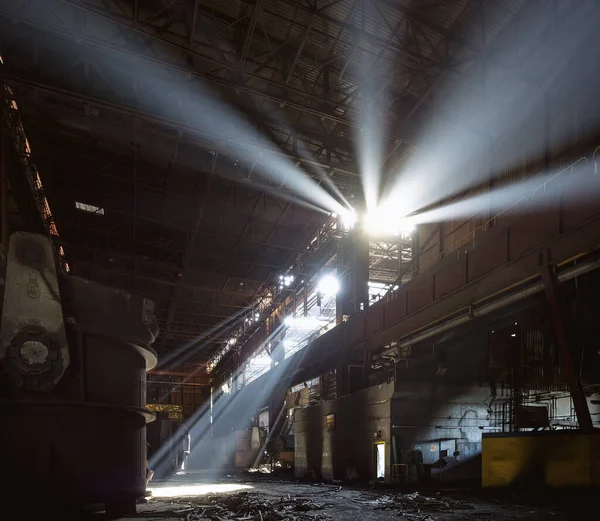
72 454
350 337
77 433
33 340
204 250
563 246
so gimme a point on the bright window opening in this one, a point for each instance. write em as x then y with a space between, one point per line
380 461
258 365
330 420
89 208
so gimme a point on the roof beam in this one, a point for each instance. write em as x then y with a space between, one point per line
406 134
39 85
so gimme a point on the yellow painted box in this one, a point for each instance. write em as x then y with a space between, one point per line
558 459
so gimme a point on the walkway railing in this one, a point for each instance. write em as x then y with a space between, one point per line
506 212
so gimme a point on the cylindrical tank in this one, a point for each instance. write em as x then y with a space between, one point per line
84 440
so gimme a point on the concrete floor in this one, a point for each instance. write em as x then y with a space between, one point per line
342 503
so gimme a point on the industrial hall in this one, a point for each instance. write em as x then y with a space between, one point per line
299 260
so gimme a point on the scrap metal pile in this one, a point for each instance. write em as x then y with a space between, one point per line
414 506
247 506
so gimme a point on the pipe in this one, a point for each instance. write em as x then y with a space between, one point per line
179 373
509 299
569 274
395 457
579 269
177 384
3 193
437 330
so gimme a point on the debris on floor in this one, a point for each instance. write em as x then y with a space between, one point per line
263 469
413 504
253 506
276 500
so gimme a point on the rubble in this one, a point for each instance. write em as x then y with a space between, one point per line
415 504
253 506
262 469
278 501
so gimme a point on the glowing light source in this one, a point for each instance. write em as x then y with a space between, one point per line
386 221
406 227
285 280
328 285
380 222
89 208
197 490
232 341
348 218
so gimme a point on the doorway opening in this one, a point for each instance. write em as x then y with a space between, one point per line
379 457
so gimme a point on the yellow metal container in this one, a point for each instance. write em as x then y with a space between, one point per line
286 456
558 459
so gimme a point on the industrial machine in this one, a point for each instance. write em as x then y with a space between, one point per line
73 362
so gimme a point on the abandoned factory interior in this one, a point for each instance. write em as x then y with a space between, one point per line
299 260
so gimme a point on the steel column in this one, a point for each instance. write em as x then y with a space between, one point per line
560 337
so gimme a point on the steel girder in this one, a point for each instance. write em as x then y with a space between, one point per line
69 63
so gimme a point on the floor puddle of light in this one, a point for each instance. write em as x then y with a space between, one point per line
196 490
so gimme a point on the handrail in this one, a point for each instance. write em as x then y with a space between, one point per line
507 209
594 160
453 247
533 193
267 304
461 242
570 167
456 245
